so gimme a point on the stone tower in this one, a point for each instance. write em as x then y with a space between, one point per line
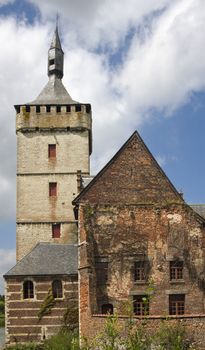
54 142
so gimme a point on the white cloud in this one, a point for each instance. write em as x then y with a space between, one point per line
7 260
160 69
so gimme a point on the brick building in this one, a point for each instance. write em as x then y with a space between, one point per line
134 230
54 144
139 243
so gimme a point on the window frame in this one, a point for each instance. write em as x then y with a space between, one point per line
140 307
140 273
176 304
54 289
176 270
28 290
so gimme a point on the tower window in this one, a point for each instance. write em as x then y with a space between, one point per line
52 151
48 109
139 271
141 305
51 62
56 230
28 290
88 108
176 270
68 108
57 289
58 109
176 304
52 189
27 109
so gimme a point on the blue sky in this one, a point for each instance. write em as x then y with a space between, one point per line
141 67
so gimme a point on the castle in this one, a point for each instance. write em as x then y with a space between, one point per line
96 243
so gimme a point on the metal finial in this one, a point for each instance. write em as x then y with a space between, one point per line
57 20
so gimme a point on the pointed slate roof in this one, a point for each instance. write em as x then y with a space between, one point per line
132 176
47 259
54 93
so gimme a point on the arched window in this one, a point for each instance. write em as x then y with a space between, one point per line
57 289
28 290
107 309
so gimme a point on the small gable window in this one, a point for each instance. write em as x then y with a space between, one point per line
107 309
28 290
176 270
57 289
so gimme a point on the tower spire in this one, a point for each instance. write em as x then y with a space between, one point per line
55 55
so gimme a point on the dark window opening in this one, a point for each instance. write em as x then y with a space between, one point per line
51 62
140 272
107 309
18 109
38 109
48 109
176 270
176 304
57 289
102 272
28 109
88 108
141 305
52 189
52 151
68 108
56 230
78 108
58 109
28 290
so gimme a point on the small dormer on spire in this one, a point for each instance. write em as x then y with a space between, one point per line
55 57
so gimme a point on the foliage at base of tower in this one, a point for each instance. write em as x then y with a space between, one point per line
47 305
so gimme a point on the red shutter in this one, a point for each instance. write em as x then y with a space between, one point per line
56 230
51 151
52 189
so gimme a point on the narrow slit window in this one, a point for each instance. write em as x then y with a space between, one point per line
58 109
52 189
52 151
56 230
177 304
38 109
48 109
28 290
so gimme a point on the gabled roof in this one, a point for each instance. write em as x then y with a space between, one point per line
47 259
146 172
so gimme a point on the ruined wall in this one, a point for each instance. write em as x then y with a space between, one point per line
22 322
70 131
127 233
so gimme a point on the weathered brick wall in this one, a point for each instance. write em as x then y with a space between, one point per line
71 133
132 212
22 323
